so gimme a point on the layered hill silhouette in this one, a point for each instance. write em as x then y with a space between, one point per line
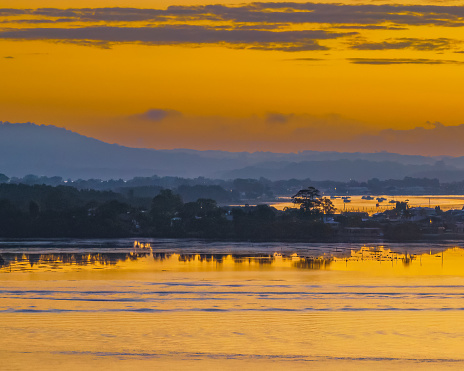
48 150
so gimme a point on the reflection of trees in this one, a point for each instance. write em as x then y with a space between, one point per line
20 261
160 256
111 259
33 259
310 263
82 259
378 253
239 259
199 257
408 259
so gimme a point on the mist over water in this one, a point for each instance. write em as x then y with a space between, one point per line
174 304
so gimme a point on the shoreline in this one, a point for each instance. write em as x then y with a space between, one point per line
451 238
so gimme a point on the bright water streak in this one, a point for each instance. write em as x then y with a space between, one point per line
267 306
357 203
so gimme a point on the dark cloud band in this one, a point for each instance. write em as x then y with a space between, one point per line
409 43
259 26
169 35
385 61
287 12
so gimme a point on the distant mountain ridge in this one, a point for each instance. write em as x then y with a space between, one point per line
48 150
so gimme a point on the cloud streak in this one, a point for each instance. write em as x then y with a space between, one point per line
157 114
386 61
173 35
285 12
439 44
279 26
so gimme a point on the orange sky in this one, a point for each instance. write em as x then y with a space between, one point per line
233 77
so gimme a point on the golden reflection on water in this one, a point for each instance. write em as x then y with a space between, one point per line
342 308
376 260
446 202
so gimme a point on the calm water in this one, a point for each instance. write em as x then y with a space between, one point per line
192 305
446 202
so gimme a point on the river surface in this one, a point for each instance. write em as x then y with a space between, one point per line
182 305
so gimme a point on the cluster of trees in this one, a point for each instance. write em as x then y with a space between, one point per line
311 202
264 223
203 218
45 211
233 191
63 211
190 189
174 218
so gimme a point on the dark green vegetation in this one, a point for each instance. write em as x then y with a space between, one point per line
43 211
63 211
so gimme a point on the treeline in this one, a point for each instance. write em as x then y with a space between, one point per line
233 191
46 211
143 187
41 211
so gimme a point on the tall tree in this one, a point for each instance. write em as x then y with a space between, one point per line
310 202
307 198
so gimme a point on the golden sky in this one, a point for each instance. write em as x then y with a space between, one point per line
236 76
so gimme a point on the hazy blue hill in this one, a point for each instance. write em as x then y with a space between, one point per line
257 157
455 161
340 170
49 150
